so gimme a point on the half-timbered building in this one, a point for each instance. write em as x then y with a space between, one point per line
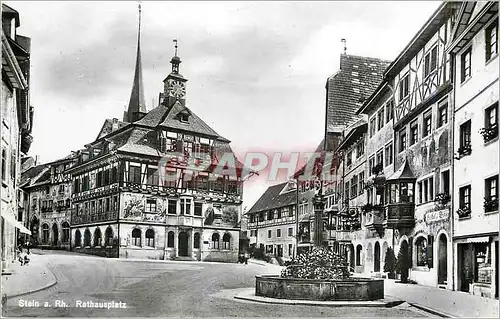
161 184
371 244
272 221
417 195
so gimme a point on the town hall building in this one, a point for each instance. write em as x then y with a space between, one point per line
150 186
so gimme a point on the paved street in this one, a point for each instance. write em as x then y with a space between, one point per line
164 289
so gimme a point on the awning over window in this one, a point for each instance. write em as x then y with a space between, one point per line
12 220
485 239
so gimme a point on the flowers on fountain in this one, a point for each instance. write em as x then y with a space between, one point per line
318 263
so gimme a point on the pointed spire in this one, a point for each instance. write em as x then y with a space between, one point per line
137 103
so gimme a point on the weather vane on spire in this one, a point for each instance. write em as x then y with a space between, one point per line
139 18
345 47
175 46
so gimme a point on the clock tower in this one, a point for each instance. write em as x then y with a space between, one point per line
175 83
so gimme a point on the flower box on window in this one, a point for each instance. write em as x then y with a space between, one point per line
489 133
442 198
463 212
490 203
465 150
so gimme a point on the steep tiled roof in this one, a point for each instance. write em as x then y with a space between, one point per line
108 127
194 124
272 199
348 88
154 117
140 141
29 175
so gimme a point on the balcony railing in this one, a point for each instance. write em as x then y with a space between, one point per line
400 215
489 133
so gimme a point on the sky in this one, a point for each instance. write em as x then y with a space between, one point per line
256 70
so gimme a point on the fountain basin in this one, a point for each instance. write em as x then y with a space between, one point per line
352 289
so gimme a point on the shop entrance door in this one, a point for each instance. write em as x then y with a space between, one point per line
443 260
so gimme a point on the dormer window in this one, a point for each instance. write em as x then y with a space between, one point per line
184 118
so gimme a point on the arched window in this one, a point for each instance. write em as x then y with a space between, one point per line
150 238
86 238
226 241
421 250
359 249
97 237
170 239
78 238
136 237
215 241
45 234
196 243
65 232
109 236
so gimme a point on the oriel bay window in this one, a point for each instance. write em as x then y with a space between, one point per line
400 186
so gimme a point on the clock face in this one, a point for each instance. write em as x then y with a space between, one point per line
177 89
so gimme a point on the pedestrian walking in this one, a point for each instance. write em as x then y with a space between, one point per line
247 256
